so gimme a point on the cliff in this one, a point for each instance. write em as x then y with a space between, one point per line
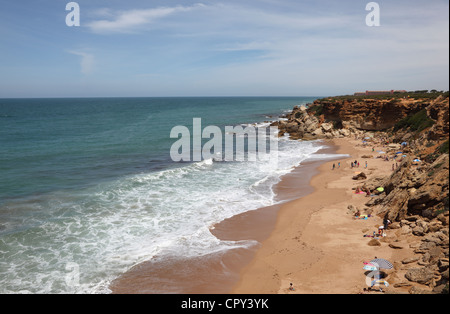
334 116
416 194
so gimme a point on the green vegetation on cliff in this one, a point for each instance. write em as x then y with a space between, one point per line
415 122
419 94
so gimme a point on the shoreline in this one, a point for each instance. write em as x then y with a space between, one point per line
316 244
311 241
284 251
218 273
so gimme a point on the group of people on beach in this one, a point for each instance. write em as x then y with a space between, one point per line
353 164
367 191
339 165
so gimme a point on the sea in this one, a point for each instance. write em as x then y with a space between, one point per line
88 188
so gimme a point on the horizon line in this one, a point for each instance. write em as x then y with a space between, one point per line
85 97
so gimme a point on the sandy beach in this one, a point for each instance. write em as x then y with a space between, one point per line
316 244
311 241
218 273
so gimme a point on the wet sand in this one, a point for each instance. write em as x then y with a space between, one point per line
316 244
218 273
310 241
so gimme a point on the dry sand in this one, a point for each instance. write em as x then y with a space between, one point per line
316 244
311 241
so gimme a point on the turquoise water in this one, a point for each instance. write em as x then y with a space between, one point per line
49 144
88 188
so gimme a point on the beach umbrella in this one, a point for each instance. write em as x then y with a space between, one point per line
404 143
370 267
380 189
398 153
379 282
382 263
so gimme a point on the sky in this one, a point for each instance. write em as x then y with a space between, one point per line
159 48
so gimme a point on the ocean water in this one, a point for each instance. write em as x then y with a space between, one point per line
88 188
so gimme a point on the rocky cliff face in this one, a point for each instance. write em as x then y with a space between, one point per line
415 190
415 198
369 114
331 117
416 194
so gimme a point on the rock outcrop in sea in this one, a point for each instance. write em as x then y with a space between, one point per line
416 195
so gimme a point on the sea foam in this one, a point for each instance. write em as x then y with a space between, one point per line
106 229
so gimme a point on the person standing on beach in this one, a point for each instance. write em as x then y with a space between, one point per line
334 166
386 223
366 164
339 164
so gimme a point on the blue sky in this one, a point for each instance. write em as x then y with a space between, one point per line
221 48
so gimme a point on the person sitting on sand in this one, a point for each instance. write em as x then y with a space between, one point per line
368 193
291 287
363 217
380 231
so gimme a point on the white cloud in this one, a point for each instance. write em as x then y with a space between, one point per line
229 47
87 61
130 21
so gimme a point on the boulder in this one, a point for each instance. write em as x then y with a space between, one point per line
317 132
417 290
420 275
443 219
418 231
405 230
402 284
291 127
374 242
395 204
327 127
410 260
351 209
444 274
344 132
396 245
360 176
